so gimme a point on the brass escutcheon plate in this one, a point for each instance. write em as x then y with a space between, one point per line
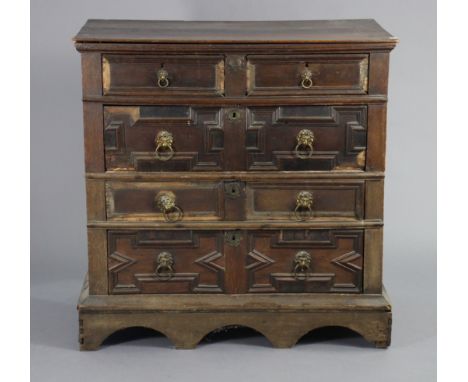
232 238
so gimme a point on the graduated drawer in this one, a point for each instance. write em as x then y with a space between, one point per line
181 261
239 261
162 74
270 138
307 74
302 261
168 201
255 201
305 200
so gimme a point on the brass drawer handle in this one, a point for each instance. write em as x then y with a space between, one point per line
306 79
166 202
302 261
304 201
165 267
164 141
163 81
305 140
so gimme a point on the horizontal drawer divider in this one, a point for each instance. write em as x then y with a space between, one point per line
234 175
223 225
217 100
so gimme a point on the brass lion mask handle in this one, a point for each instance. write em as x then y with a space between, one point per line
306 79
165 265
163 80
164 141
304 201
301 264
304 147
166 202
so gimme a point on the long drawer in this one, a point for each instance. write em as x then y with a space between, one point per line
186 261
270 138
288 201
204 75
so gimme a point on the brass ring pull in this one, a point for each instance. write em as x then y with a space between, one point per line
165 263
166 202
303 210
305 140
302 261
164 150
163 81
306 79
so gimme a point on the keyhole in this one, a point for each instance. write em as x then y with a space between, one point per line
233 238
233 191
234 114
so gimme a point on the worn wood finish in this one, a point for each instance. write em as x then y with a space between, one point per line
197 262
330 74
236 175
93 137
95 199
203 201
137 75
92 75
340 134
136 201
318 31
376 137
373 261
278 237
336 261
97 260
332 200
251 261
374 196
224 224
131 132
186 320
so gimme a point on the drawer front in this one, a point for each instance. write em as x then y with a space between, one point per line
165 262
318 138
162 75
304 261
311 200
307 75
163 138
169 201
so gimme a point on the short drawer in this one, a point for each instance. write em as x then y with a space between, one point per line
307 75
305 201
169 201
162 75
304 261
314 137
180 261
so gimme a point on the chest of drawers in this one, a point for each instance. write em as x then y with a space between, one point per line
234 177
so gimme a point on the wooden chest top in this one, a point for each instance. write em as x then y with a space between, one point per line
299 31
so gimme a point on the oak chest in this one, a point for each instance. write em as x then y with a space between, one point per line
234 176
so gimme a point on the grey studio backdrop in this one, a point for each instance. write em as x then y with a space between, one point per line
58 235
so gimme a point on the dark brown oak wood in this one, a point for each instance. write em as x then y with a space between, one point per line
224 224
186 319
236 175
97 261
235 125
138 31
